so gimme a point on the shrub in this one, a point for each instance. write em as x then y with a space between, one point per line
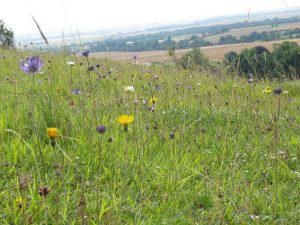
193 58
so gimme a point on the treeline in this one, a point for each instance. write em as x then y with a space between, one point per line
263 36
136 45
163 40
259 62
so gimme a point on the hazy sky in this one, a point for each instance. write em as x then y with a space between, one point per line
56 15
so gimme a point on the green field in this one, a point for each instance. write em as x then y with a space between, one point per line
211 150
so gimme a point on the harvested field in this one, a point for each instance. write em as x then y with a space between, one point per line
215 53
249 30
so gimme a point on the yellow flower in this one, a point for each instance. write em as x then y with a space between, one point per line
19 201
125 120
52 132
153 101
268 90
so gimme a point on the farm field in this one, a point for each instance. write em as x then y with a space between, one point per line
214 53
246 31
92 141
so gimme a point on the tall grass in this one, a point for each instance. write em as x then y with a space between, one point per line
226 162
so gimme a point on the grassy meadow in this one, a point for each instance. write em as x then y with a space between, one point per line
208 150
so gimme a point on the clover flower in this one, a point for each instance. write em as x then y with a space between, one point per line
31 64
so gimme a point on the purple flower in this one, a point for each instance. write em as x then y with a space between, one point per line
91 68
97 65
32 64
85 53
76 91
101 129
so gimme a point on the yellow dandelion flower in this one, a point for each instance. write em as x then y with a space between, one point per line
153 101
268 90
125 120
52 132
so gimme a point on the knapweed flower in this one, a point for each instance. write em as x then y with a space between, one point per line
268 90
32 64
101 129
70 63
85 53
128 88
91 68
153 101
125 120
52 132
43 191
277 91
172 135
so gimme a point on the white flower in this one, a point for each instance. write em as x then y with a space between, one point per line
128 88
70 63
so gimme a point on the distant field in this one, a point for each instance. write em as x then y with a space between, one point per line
243 31
249 30
215 53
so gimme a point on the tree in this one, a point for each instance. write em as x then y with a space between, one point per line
6 36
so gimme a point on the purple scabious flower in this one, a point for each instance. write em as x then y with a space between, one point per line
32 64
97 65
76 91
101 129
85 53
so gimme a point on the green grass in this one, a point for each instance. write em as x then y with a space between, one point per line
234 158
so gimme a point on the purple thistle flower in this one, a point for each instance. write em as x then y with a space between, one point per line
85 53
76 91
32 64
101 129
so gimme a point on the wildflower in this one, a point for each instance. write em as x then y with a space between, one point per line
43 191
76 91
70 63
268 90
153 101
128 88
85 53
52 134
20 201
32 64
285 92
125 120
91 68
277 91
172 135
97 65
101 129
